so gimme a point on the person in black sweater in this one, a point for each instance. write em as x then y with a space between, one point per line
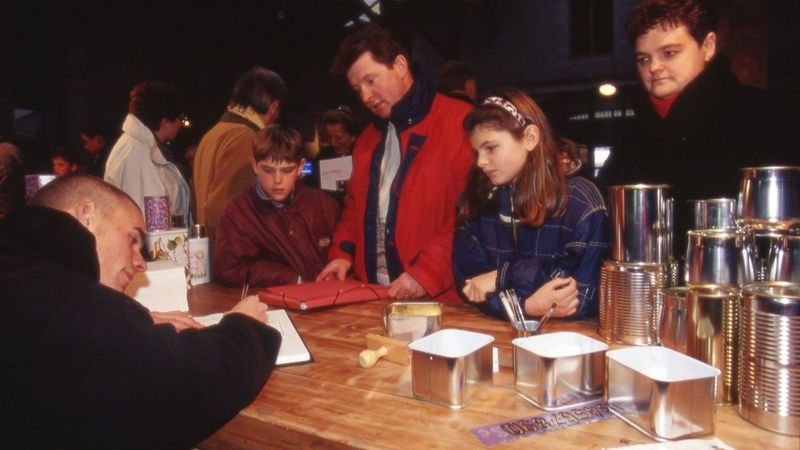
87 367
696 125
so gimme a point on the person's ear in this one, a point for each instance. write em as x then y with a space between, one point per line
254 165
300 167
85 213
273 111
530 137
709 47
400 64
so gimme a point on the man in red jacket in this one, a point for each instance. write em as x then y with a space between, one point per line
409 168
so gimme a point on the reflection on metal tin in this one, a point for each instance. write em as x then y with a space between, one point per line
769 361
409 321
712 257
712 333
451 367
661 393
629 296
641 223
559 370
769 198
783 262
672 328
714 214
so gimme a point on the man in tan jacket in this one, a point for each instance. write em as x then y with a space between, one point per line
222 167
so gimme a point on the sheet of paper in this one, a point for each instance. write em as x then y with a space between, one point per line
162 287
333 170
293 349
684 444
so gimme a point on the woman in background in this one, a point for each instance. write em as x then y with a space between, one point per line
136 164
523 222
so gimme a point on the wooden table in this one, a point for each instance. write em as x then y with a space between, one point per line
334 403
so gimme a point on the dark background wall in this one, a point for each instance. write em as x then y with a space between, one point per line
74 62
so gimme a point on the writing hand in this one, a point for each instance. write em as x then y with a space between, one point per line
178 319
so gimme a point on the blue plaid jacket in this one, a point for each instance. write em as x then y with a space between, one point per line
574 245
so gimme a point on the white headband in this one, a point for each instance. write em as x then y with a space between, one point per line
508 106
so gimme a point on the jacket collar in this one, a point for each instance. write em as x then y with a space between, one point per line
710 88
53 235
413 107
134 128
137 130
296 191
246 117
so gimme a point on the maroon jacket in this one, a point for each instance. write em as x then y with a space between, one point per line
266 245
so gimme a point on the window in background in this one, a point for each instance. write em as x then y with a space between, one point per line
29 124
600 155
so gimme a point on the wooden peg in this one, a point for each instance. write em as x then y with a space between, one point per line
381 346
368 358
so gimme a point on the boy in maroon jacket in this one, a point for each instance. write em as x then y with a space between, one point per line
279 231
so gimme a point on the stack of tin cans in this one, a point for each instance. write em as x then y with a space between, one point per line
768 221
712 278
641 263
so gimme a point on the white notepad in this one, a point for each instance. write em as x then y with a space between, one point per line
293 349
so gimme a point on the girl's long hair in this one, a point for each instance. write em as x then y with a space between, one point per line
540 190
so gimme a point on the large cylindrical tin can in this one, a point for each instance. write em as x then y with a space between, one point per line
713 257
629 295
641 223
783 262
672 329
769 363
714 214
769 198
712 333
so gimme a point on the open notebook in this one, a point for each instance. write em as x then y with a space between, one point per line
293 349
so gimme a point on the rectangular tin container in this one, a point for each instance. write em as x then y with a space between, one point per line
662 393
559 370
409 321
451 367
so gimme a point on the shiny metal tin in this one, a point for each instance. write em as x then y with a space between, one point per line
769 198
714 214
559 370
661 393
713 257
769 361
756 250
712 334
451 367
783 262
409 321
641 223
628 301
672 326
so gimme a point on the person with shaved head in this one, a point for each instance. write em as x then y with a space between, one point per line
85 366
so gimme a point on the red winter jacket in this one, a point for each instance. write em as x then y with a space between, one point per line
436 156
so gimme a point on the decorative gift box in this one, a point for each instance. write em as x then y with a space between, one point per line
169 245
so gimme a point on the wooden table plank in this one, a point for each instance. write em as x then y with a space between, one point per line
334 403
